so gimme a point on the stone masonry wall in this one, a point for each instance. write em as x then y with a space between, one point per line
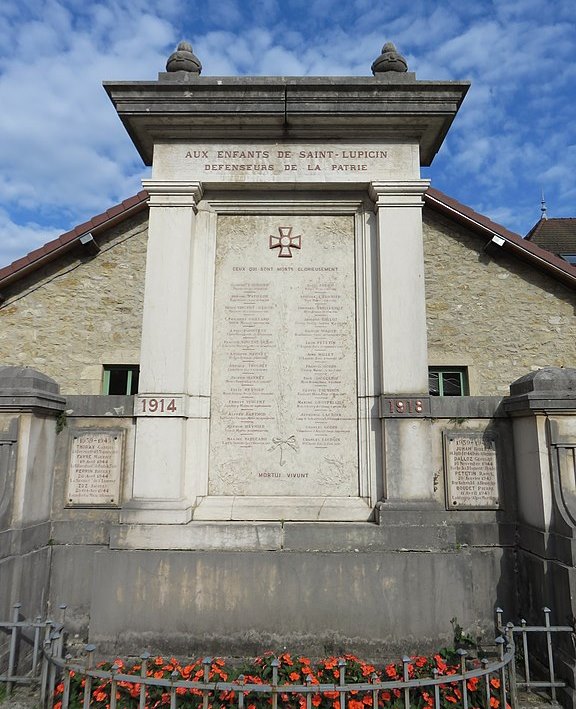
495 314
80 312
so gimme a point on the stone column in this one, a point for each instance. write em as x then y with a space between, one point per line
29 408
402 318
160 494
542 405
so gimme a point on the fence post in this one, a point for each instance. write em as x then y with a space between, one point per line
66 681
207 661
173 677
241 680
145 656
113 685
275 664
88 679
501 642
462 653
550 653
342 680
512 666
13 647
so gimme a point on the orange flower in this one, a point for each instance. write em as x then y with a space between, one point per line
494 703
386 696
58 705
472 684
330 663
294 676
60 688
99 696
452 699
367 700
316 700
336 704
159 661
495 682
355 704
391 671
420 661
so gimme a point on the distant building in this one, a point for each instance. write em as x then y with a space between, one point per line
557 235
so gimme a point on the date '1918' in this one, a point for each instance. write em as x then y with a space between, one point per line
397 406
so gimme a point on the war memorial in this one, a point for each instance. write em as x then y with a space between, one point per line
283 477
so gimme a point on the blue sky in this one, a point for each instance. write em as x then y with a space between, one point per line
64 155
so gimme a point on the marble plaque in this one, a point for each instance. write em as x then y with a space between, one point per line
284 406
95 468
471 470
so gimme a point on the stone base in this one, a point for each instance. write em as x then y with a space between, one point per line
317 509
379 604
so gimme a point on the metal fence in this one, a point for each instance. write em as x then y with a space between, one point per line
49 665
543 657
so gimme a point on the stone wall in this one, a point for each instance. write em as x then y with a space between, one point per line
79 312
496 315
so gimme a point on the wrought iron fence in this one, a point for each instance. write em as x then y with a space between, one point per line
494 680
527 657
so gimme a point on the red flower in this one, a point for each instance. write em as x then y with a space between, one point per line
494 703
495 682
294 676
472 684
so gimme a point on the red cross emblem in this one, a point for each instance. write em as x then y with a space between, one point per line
285 242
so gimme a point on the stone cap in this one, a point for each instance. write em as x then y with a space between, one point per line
287 108
26 389
551 388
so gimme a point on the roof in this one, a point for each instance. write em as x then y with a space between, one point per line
496 238
555 234
70 239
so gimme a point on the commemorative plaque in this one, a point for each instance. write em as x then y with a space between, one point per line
95 468
471 470
284 407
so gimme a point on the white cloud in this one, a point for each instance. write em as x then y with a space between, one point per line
65 155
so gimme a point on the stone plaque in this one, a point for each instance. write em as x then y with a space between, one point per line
268 161
471 470
95 468
284 405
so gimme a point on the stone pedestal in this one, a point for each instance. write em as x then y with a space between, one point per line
543 407
29 406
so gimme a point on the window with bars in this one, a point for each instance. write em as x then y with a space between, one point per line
448 381
120 379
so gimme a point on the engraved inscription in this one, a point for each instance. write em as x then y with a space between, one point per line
284 417
94 470
471 470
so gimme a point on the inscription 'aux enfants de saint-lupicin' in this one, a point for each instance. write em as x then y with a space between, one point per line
281 160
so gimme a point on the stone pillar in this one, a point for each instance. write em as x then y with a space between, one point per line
29 407
542 405
402 316
160 492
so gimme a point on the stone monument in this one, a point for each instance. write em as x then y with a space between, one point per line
284 365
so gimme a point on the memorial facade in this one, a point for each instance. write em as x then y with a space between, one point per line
284 285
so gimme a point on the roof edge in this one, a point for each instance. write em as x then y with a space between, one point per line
512 242
67 241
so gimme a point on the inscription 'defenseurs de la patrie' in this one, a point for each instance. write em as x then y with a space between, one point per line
284 418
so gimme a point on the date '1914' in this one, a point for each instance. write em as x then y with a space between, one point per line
159 406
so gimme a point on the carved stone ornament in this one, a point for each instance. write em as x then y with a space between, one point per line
389 60
184 59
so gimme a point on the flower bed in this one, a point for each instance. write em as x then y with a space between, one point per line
299 682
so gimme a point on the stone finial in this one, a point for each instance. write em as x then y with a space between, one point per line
184 59
389 60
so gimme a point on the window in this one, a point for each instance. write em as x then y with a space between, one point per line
571 258
120 379
448 381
